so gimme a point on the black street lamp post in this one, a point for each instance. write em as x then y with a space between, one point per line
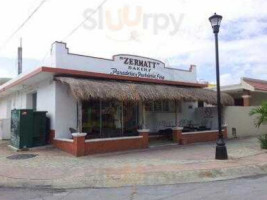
221 151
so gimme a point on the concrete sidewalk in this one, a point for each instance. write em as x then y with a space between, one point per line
154 166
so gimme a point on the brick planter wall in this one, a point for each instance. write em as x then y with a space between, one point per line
78 146
202 136
113 144
65 145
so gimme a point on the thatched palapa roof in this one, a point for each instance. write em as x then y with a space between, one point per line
85 89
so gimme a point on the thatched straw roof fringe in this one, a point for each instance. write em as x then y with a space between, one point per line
85 89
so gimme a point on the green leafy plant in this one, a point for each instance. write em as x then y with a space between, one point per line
263 141
261 113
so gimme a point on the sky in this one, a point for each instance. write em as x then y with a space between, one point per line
176 32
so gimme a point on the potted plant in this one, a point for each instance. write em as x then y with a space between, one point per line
261 113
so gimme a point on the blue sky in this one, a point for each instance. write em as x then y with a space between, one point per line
243 38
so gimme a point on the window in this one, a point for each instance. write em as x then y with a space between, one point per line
200 104
157 106
111 125
91 118
165 106
149 106
31 101
34 101
109 118
160 106
239 102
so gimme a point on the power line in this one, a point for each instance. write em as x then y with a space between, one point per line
79 25
23 24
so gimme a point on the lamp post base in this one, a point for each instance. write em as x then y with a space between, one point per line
221 151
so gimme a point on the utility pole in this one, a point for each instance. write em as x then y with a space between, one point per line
20 57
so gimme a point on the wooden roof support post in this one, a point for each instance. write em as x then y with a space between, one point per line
176 113
122 119
79 124
143 115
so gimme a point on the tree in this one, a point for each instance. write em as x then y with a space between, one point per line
261 113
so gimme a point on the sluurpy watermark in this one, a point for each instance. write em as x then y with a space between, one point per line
132 18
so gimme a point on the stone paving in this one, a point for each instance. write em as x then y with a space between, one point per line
153 166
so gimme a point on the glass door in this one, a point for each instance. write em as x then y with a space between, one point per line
111 115
130 118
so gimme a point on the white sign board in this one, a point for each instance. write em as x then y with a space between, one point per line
128 65
122 65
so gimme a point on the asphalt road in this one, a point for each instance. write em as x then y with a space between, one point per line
249 188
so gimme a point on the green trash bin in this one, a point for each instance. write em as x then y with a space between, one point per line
28 128
39 128
21 128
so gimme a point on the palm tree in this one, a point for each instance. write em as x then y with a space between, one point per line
261 112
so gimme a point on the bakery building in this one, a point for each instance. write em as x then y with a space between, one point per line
98 105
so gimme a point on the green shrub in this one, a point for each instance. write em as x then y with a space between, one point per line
261 113
263 141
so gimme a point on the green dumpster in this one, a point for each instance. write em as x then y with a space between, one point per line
28 128
21 128
39 128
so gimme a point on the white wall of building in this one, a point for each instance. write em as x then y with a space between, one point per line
238 118
66 111
23 100
5 106
46 95
61 58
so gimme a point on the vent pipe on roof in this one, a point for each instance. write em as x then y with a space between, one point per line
20 58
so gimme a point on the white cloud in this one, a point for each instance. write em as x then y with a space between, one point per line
241 52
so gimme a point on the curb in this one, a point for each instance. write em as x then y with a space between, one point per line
124 180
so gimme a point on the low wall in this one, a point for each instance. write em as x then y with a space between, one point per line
197 136
113 144
239 122
201 136
66 145
78 146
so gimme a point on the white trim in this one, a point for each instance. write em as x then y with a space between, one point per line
113 139
177 128
224 125
246 96
246 85
199 132
63 139
79 134
143 131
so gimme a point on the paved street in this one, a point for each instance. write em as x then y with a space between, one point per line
243 189
50 167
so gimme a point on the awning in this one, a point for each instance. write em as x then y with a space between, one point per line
86 89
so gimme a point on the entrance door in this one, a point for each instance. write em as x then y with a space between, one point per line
130 118
111 114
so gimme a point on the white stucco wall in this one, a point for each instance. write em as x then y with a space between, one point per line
46 91
238 117
16 100
235 117
61 58
66 111
22 100
5 106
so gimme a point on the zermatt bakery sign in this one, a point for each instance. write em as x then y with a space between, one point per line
136 66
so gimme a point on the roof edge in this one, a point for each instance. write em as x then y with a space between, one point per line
78 73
